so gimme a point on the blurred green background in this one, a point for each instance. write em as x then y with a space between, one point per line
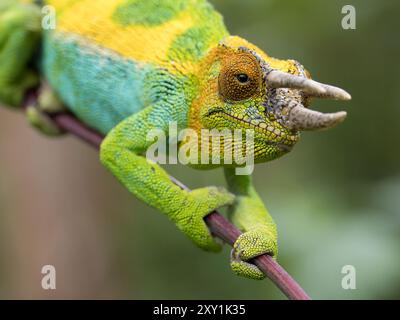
335 197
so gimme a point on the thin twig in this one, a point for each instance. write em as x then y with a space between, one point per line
218 224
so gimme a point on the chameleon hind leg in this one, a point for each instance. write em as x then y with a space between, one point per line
20 31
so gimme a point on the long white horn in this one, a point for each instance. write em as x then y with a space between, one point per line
301 118
334 93
279 79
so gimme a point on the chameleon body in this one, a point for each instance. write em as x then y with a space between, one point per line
125 67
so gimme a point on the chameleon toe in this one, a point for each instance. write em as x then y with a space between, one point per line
245 269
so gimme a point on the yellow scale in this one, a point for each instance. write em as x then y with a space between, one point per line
93 20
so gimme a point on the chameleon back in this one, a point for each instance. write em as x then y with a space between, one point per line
104 56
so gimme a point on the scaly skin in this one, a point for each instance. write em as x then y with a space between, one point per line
125 67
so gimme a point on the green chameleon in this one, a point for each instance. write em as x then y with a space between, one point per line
125 67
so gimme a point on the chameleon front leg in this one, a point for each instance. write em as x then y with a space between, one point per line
121 153
249 214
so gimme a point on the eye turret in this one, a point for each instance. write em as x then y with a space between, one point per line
240 78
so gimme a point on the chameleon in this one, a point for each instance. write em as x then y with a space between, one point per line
126 67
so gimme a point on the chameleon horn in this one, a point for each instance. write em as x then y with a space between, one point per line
279 79
301 118
334 93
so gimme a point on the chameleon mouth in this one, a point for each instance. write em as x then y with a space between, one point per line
283 140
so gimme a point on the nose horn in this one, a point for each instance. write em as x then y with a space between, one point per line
279 79
301 119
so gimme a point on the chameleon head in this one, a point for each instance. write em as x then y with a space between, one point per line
241 87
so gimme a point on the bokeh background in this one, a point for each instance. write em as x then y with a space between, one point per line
335 197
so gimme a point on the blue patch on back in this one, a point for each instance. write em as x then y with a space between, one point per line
100 87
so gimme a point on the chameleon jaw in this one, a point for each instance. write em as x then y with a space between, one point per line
270 134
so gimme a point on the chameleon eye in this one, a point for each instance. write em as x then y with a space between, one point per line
240 78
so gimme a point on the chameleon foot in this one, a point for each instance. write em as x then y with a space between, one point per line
38 113
200 203
12 95
249 245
